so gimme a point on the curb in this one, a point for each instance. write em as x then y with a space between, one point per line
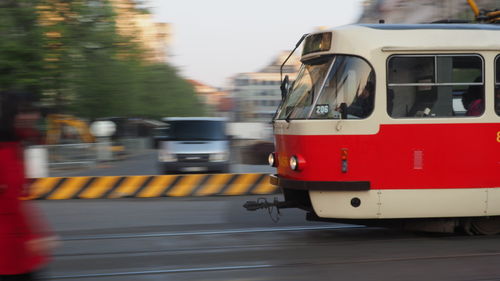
61 188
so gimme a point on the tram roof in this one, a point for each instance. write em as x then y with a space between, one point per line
363 39
433 26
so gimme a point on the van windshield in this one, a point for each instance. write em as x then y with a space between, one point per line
187 130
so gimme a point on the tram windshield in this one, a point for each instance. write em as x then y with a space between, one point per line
329 88
300 99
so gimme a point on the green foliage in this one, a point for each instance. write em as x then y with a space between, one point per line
164 94
71 53
20 51
130 88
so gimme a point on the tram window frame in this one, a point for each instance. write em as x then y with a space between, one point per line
437 96
497 85
359 102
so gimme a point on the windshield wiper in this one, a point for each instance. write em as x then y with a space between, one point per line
281 75
310 93
287 118
291 53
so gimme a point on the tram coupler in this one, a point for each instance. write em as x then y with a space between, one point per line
262 203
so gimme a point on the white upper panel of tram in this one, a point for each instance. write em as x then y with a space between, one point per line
393 74
364 39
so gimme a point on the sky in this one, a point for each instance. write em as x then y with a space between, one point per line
214 40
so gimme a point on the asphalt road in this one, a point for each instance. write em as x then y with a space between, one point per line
214 238
143 163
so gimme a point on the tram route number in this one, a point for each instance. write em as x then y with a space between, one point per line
322 109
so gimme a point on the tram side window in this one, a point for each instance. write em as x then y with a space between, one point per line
435 86
497 86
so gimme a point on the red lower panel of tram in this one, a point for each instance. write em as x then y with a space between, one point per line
399 156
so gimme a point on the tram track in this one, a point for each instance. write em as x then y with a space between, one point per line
206 232
237 247
228 253
164 271
222 268
204 249
73 239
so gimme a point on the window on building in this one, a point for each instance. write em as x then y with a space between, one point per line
497 85
241 82
435 86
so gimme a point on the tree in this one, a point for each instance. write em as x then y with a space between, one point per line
103 73
21 59
73 55
164 93
118 80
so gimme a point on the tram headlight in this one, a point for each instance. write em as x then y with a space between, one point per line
294 163
272 160
297 163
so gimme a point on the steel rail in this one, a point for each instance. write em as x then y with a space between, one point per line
209 232
165 271
277 265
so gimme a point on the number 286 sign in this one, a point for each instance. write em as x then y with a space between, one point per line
322 109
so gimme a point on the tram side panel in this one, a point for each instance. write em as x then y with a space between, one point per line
417 170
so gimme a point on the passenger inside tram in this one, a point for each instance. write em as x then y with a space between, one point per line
435 86
473 100
362 106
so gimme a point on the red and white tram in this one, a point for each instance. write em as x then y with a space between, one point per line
394 123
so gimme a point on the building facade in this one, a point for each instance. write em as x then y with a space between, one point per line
153 37
257 94
217 103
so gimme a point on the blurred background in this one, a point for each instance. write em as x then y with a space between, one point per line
115 78
134 62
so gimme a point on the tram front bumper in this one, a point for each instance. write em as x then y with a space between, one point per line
284 183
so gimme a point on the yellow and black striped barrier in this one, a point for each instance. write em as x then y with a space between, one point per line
58 188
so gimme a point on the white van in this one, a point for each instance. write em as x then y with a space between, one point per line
193 144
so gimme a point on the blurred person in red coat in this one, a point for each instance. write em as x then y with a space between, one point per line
25 240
